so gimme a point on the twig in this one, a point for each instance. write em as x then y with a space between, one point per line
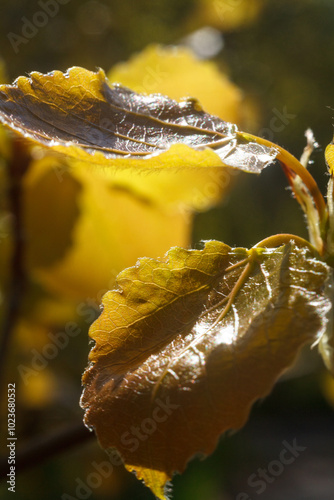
41 448
311 145
17 167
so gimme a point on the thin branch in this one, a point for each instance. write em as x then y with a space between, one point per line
17 167
41 448
292 164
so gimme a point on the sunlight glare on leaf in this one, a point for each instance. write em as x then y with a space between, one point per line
80 114
175 72
201 332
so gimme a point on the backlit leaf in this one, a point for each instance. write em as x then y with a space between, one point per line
80 114
177 73
95 229
329 154
186 345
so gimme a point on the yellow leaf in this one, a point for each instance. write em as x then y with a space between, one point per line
173 190
187 344
50 212
175 72
227 15
95 229
329 155
83 230
80 114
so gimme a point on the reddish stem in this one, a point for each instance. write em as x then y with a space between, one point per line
291 164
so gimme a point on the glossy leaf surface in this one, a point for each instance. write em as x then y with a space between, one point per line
80 114
177 73
187 344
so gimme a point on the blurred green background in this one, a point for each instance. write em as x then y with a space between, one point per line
279 54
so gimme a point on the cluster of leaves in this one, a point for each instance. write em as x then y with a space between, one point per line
80 226
188 342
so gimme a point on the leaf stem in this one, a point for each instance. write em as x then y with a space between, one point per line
249 264
290 163
283 239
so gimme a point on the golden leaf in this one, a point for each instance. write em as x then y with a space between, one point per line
186 345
